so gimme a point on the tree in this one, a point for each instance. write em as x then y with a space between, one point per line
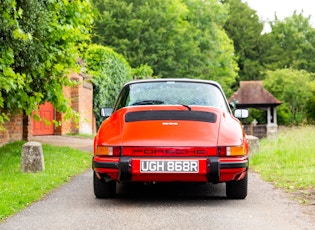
142 72
40 42
245 29
293 88
310 104
110 72
177 38
216 57
291 44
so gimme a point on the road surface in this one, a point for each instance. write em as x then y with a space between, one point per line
162 206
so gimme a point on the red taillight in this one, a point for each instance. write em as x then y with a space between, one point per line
222 151
107 151
169 151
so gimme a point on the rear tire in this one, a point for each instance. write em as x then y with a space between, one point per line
103 188
237 189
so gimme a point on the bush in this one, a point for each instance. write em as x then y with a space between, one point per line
110 72
293 89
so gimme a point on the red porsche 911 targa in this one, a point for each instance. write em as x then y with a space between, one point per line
171 130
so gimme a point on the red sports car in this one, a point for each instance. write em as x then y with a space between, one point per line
171 130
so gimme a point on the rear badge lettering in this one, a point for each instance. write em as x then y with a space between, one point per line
170 123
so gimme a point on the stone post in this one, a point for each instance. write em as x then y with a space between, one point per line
32 157
253 144
272 131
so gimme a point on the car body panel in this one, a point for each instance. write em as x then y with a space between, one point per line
158 132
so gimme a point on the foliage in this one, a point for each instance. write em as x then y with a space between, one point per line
18 190
39 42
177 38
292 87
142 72
291 44
110 72
244 28
310 104
255 114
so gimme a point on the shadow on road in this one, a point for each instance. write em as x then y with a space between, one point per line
170 191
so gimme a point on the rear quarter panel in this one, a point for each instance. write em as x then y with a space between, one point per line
231 132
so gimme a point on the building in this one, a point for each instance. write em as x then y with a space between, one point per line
22 127
252 94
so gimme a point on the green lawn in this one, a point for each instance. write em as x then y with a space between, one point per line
289 161
18 190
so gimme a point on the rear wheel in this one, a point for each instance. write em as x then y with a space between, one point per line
103 188
237 189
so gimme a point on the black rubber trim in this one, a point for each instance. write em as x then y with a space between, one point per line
171 115
214 169
125 169
213 165
108 165
230 165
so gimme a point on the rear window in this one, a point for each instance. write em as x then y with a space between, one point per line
172 93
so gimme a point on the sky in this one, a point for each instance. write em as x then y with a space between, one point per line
266 9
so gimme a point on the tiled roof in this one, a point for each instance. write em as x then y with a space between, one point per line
253 93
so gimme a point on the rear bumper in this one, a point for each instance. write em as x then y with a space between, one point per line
211 169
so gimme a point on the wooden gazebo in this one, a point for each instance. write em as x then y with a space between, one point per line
252 94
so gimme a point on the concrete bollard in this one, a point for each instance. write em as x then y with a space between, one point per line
32 157
253 144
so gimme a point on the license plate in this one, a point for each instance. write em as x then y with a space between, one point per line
167 166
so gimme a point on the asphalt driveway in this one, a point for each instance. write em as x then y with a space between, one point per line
85 144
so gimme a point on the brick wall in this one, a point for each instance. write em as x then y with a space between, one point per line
13 129
81 101
65 125
75 92
86 108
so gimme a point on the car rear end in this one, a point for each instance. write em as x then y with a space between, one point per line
153 149
170 143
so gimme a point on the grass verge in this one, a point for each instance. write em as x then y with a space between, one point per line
18 190
289 161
